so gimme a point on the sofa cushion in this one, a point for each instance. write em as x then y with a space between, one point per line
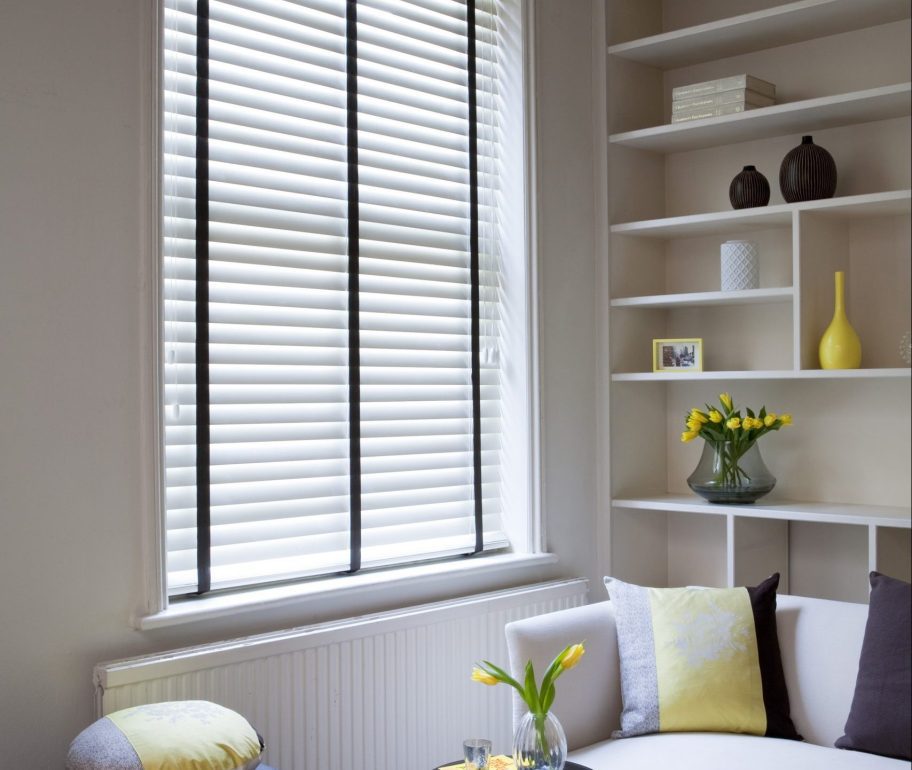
721 751
881 717
820 641
700 659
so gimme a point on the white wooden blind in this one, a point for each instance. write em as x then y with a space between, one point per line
280 502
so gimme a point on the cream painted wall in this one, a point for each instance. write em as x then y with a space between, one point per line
567 226
73 464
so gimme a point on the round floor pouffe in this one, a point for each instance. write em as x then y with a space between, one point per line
196 735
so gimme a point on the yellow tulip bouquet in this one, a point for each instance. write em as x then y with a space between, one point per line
538 699
731 435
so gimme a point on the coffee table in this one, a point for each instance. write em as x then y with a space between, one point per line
567 765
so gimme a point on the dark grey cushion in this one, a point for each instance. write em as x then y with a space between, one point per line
880 720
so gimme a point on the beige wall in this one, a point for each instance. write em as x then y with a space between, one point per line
72 292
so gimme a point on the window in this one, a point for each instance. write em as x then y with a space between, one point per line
345 313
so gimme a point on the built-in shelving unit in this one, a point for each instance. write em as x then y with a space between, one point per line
842 503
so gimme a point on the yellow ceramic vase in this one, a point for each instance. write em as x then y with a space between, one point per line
840 347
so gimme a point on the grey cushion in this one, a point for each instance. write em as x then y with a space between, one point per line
102 746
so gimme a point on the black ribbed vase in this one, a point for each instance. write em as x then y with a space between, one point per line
748 189
807 173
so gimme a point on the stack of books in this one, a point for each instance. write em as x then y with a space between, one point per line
724 96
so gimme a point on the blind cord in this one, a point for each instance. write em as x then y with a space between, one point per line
474 275
354 322
203 518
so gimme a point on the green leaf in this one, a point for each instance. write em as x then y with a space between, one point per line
762 413
548 698
532 699
554 669
750 413
502 675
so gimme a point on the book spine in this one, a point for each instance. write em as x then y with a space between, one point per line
709 112
724 84
738 96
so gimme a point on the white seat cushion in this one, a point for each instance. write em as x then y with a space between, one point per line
720 751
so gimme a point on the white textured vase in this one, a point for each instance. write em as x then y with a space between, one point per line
740 269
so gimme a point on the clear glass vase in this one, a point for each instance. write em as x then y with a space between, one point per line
727 473
539 743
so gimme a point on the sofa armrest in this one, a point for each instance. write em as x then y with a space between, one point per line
588 702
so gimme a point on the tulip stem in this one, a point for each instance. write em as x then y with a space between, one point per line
730 473
540 729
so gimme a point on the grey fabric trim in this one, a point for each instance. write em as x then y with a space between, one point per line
102 746
636 647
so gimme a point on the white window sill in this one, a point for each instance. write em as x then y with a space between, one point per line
411 585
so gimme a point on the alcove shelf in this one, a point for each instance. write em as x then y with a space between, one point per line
889 203
707 298
848 452
766 28
800 117
775 374
753 541
789 510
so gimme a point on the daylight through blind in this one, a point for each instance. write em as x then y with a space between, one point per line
278 157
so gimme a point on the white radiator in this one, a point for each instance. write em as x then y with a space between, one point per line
385 692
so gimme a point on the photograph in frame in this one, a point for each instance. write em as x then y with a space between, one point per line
677 355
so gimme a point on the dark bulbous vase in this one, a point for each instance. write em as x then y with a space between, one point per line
808 173
748 189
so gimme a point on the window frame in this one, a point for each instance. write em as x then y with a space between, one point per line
527 537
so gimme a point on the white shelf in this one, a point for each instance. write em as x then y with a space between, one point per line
767 217
876 204
827 513
855 374
782 25
708 298
793 118
760 218
767 374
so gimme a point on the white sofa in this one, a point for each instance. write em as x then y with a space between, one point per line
820 642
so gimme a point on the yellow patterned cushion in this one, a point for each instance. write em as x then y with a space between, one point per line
707 666
700 659
189 735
